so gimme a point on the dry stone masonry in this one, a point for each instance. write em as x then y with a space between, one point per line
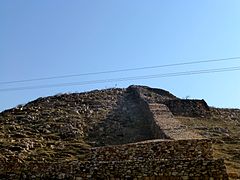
154 150
106 134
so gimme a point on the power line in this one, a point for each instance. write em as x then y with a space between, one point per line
119 70
176 74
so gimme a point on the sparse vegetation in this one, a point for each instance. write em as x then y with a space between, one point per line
223 127
63 127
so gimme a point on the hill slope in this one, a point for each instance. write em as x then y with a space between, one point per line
63 127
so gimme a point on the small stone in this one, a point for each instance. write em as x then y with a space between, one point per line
129 171
185 177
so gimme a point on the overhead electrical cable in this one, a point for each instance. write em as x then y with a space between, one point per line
176 74
119 70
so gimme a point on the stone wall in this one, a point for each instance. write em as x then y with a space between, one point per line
160 113
154 159
186 107
130 121
140 169
153 150
165 123
146 108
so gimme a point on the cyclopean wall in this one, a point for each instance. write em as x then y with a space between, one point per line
156 159
139 169
154 150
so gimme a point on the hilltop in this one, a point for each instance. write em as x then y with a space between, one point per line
63 128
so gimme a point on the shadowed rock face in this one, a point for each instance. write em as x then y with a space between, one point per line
186 107
129 121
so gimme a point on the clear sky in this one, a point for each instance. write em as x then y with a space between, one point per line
53 38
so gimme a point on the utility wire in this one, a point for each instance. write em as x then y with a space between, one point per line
119 70
176 74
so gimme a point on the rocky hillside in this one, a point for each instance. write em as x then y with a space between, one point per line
63 127
223 127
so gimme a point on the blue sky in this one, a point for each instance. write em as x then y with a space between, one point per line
53 38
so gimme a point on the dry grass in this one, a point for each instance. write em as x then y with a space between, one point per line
224 130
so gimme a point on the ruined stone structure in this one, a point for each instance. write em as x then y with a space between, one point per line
131 134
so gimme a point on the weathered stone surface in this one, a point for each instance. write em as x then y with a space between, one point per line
166 126
162 169
87 136
153 150
187 107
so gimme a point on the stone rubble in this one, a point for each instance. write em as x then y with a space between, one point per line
87 136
